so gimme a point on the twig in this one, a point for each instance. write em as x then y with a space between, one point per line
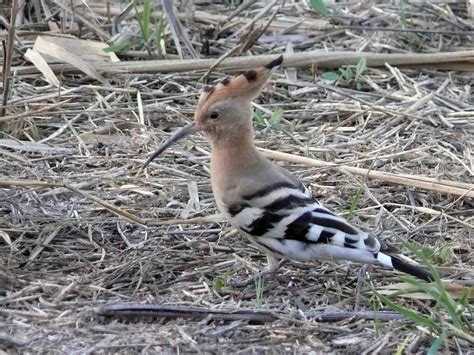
214 218
304 59
412 30
366 315
246 4
108 206
251 315
177 30
7 60
12 340
253 21
171 311
100 33
219 60
422 182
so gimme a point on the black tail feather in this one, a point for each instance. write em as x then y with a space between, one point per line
410 269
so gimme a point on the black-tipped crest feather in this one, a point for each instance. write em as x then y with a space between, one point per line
274 63
225 81
251 75
208 88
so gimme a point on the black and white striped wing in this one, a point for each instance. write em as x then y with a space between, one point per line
284 219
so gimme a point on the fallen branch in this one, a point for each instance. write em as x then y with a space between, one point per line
7 59
320 58
198 313
108 206
251 315
426 183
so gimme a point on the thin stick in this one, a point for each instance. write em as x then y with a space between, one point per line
252 315
172 311
7 60
108 206
303 59
422 182
412 30
213 218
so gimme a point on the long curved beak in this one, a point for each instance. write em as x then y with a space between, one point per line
190 128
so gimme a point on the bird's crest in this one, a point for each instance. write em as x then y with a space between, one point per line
247 85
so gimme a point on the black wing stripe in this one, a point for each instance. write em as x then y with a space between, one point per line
235 209
350 240
321 210
298 229
334 224
266 190
288 202
263 224
348 245
325 237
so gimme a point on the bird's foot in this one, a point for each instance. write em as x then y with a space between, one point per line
268 273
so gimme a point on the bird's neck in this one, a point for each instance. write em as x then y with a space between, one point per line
234 147
233 155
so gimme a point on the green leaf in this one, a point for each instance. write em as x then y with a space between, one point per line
348 74
159 31
258 117
401 346
276 117
143 19
219 283
354 202
412 315
361 67
320 7
434 348
116 47
437 289
330 75
464 300
446 254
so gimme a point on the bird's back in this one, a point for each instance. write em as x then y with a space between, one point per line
275 211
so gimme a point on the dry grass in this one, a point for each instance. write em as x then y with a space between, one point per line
69 159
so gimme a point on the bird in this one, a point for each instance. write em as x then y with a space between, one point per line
265 202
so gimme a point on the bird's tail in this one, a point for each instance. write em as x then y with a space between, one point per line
403 264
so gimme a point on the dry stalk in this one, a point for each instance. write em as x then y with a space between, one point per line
7 59
320 58
422 182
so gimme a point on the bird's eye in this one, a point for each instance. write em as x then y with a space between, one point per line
214 115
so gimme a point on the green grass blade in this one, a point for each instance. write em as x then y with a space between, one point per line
320 7
360 67
276 117
146 20
117 47
437 289
436 345
159 35
258 116
143 19
412 315
356 198
330 75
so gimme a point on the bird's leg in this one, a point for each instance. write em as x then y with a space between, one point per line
360 283
273 265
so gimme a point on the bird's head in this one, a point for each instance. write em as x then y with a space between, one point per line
224 107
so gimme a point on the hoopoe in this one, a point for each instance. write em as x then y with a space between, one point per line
265 202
